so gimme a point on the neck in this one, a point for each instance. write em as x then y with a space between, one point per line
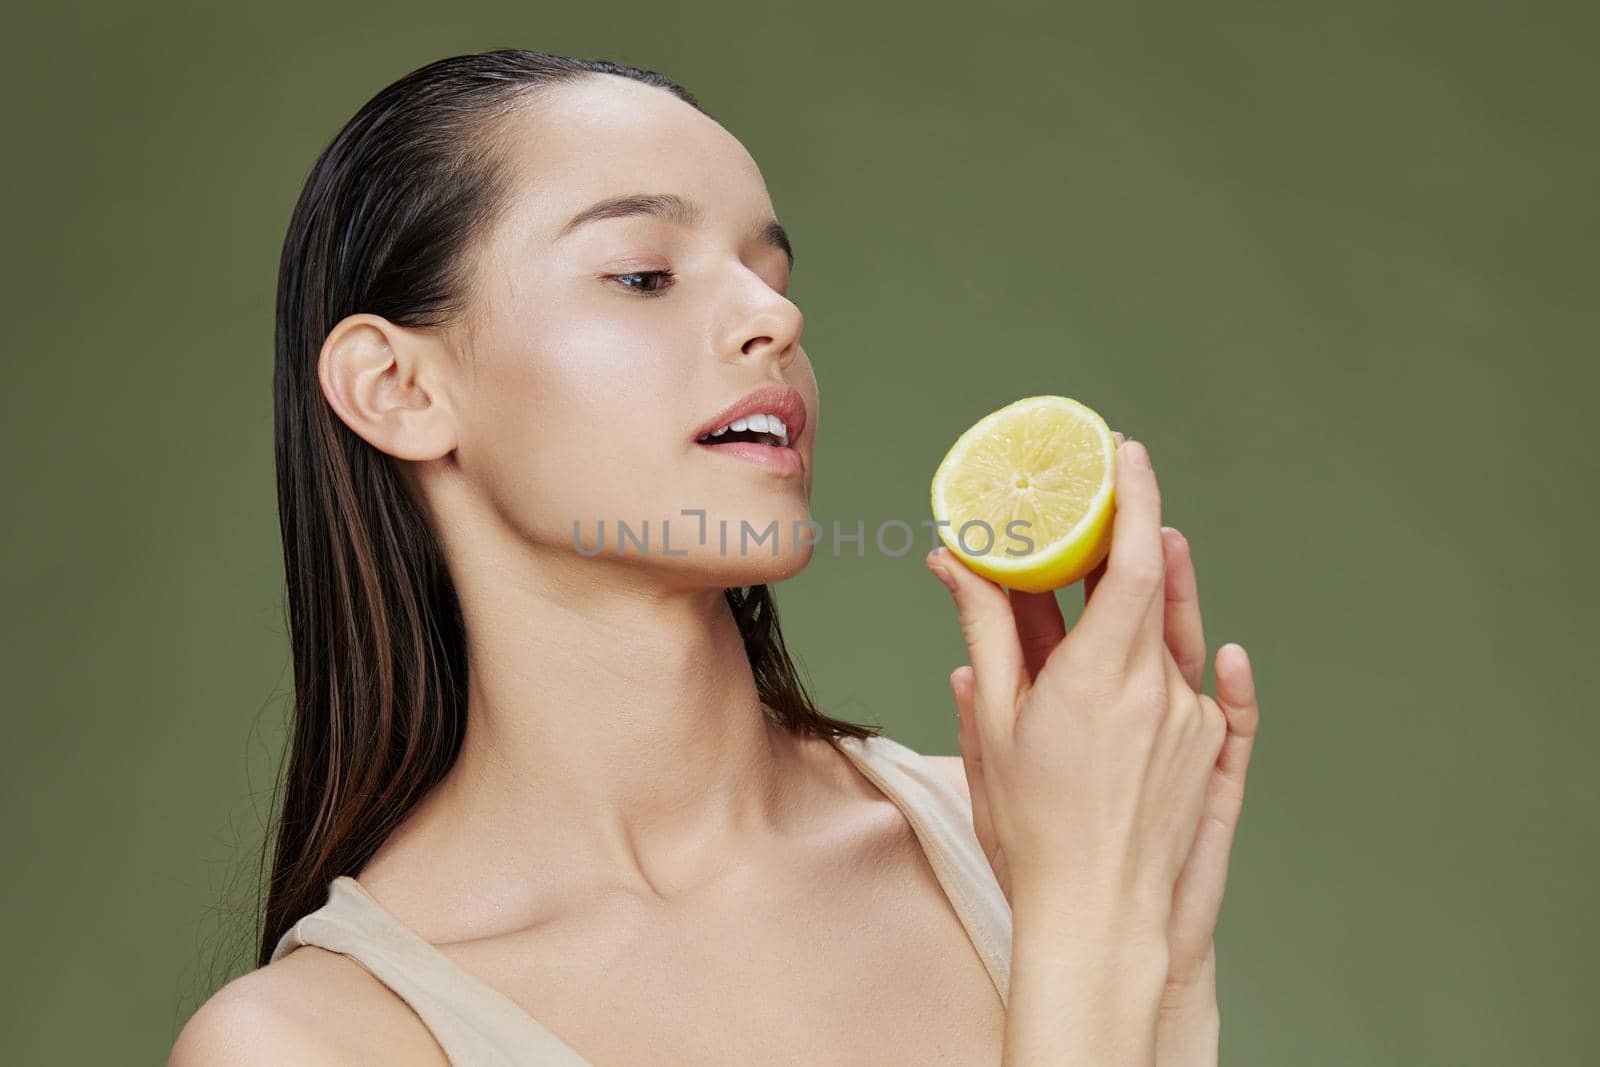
611 723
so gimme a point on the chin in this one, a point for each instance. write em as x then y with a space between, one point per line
757 568
765 570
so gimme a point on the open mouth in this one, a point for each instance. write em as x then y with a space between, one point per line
759 429
758 437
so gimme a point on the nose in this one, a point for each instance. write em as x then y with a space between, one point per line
771 328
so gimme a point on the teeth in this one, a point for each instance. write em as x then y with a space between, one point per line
762 422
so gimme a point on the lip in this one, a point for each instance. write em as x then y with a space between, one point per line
779 400
782 461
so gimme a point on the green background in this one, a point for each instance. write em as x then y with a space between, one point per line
1334 263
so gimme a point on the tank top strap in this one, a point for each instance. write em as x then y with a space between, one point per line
471 1020
942 820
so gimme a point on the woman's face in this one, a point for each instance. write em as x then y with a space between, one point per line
588 377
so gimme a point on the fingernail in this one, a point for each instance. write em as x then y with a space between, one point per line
1138 455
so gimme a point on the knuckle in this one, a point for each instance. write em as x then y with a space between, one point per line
1216 726
1185 713
1039 645
1141 576
1147 694
1214 748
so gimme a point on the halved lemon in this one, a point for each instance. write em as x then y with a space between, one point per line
1025 496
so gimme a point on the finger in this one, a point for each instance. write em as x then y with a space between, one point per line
1201 884
990 632
1176 682
1128 604
967 740
1236 695
1185 633
1092 579
1040 627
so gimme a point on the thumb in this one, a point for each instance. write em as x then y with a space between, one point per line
990 631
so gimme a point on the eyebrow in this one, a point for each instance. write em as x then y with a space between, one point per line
675 209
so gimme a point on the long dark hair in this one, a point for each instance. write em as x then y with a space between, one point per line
388 216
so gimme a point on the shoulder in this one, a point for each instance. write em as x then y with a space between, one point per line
280 1013
258 1018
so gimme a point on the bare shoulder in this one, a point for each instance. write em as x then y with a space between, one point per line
249 1022
953 769
312 1007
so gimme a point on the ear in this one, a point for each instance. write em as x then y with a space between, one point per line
387 383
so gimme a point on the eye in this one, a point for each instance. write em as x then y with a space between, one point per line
663 276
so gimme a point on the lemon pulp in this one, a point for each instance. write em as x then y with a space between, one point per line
1025 496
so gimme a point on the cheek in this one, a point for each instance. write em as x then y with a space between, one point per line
578 426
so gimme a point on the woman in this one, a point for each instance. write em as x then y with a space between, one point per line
552 804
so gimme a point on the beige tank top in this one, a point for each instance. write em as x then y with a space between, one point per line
478 1025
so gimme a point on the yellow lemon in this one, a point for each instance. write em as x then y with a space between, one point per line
1025 496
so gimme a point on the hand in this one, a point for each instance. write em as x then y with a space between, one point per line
1088 753
1189 1012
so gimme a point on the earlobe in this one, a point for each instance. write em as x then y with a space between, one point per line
382 381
